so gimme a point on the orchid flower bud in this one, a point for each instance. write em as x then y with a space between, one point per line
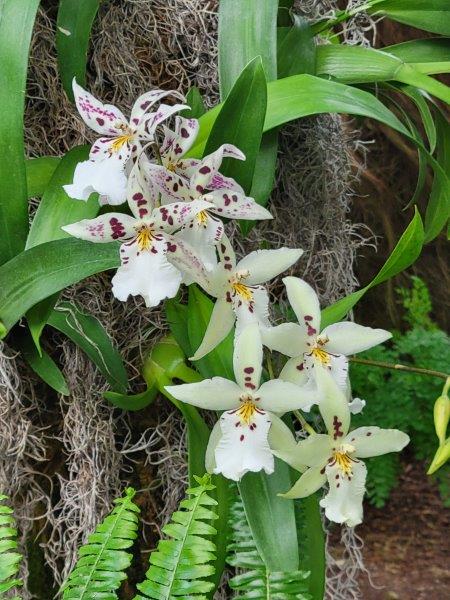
442 413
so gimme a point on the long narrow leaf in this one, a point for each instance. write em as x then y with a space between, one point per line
74 25
46 269
88 334
39 173
431 15
404 254
427 55
16 24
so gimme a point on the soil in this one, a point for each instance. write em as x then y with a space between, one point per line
407 543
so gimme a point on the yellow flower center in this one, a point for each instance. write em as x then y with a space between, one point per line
202 218
343 460
170 166
319 352
144 238
239 288
120 141
247 410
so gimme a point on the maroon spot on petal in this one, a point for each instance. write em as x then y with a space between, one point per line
144 105
368 433
175 187
204 170
337 476
339 485
138 196
249 370
241 439
228 267
308 318
199 188
100 121
322 471
248 378
184 132
300 367
222 248
171 247
250 385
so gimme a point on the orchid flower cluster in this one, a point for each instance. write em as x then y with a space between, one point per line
174 235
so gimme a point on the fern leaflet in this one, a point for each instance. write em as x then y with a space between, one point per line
180 565
103 560
254 580
9 558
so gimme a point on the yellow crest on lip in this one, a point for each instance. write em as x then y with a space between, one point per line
321 355
144 238
118 142
202 218
243 290
246 411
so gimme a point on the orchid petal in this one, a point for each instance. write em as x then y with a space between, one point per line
288 339
202 234
187 261
172 187
219 326
305 304
243 447
209 166
184 134
171 217
226 253
349 338
343 503
150 121
264 265
220 182
107 178
283 444
147 100
103 229
234 205
210 454
102 118
373 441
294 370
356 406
140 195
216 393
146 273
247 358
311 481
106 148
333 405
315 450
281 396
255 310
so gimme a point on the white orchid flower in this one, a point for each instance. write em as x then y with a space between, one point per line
178 142
204 232
105 171
308 346
151 257
336 456
239 440
240 296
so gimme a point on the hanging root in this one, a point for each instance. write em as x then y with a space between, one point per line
22 449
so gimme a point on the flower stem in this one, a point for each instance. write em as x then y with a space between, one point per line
398 367
306 426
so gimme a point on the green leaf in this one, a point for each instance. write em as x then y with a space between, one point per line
242 40
430 15
271 518
9 557
405 253
354 64
438 207
42 364
195 101
55 210
132 402
41 271
427 55
177 318
316 545
241 121
243 35
16 25
39 173
297 50
254 579
419 100
88 333
219 362
181 564
73 28
103 560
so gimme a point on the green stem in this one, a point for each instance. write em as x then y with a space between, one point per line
398 367
306 426
316 546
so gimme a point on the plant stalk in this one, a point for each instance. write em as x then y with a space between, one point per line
398 367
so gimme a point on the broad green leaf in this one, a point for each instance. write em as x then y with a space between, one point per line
195 101
305 95
240 122
177 318
55 210
41 271
42 364
220 360
427 55
354 64
243 34
88 334
16 25
284 17
405 253
241 40
39 173
438 207
316 545
430 15
271 518
73 28
297 50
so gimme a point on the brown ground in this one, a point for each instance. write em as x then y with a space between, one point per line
407 543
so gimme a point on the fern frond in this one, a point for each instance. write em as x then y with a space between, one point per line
180 565
9 558
103 560
254 580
